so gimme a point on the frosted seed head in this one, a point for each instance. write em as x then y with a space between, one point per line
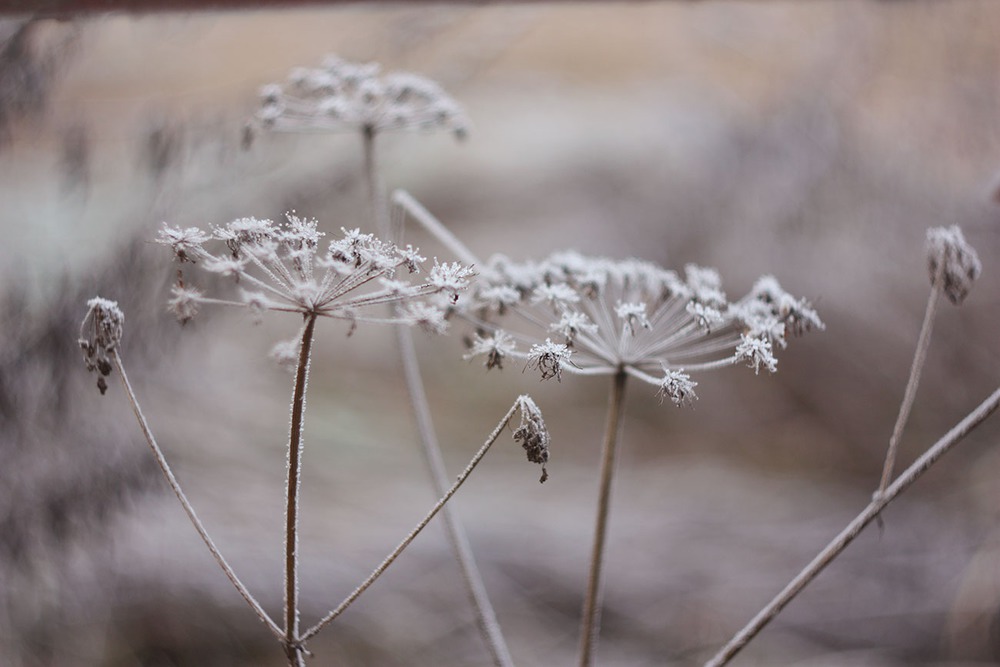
678 387
532 434
186 243
495 348
951 259
285 353
756 352
632 314
100 334
429 318
548 358
184 302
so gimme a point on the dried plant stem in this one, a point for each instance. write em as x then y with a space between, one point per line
486 617
854 528
291 639
188 509
414 209
590 626
417 530
919 359
376 193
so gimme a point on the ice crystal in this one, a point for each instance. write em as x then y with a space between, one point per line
346 96
100 334
950 256
595 316
284 267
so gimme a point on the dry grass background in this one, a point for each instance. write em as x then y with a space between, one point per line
816 141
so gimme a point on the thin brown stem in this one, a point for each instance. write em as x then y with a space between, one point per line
590 626
416 531
854 528
188 508
291 641
919 359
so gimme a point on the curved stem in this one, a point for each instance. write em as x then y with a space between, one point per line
919 359
416 531
590 626
291 639
486 617
188 508
854 528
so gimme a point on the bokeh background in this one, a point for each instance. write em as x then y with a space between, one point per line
812 140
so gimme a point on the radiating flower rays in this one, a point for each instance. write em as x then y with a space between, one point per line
596 316
281 267
344 96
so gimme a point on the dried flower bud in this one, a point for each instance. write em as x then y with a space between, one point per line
548 358
532 434
100 334
756 352
678 387
950 256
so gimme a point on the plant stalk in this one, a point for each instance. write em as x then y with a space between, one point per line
378 207
910 394
188 508
342 607
854 528
590 626
291 640
486 619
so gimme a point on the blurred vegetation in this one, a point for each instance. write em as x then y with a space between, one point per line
815 141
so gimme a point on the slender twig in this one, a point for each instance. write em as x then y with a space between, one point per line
590 626
486 619
854 528
291 640
416 531
919 359
405 200
188 509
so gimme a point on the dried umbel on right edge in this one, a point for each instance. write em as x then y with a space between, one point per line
950 256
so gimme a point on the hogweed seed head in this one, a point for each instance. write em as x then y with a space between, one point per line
284 267
596 316
532 433
344 96
100 334
951 257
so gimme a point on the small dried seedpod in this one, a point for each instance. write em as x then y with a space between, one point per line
100 334
951 259
532 434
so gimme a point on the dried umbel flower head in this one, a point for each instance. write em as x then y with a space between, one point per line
596 316
100 334
344 96
951 259
532 434
283 267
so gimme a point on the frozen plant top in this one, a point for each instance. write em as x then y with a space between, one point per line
100 334
596 316
950 256
285 267
344 96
